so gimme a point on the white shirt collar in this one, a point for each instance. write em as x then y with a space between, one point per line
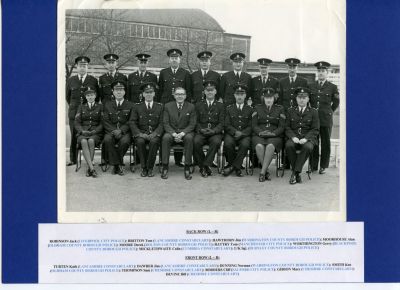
121 102
151 104
294 78
82 77
239 106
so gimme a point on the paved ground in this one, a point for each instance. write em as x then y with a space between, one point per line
132 193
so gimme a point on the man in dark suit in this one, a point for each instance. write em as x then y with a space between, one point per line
138 78
179 123
302 127
210 123
171 78
116 117
75 87
147 128
203 74
237 131
289 84
264 80
112 75
230 79
324 98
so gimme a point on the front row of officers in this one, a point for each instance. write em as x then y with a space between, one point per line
265 127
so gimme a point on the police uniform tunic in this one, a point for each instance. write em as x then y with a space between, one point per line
228 81
198 79
75 97
258 85
115 117
213 118
236 120
105 82
168 81
135 80
287 97
147 121
325 99
299 125
89 119
273 120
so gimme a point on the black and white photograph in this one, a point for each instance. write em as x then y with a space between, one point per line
201 111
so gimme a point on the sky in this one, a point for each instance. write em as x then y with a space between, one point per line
311 30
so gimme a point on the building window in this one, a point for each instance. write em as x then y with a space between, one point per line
139 31
68 24
145 31
81 25
162 32
167 33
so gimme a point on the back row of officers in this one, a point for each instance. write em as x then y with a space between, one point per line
199 109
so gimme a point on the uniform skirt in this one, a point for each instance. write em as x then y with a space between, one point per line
97 139
276 141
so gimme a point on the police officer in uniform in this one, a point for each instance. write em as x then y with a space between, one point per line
147 128
268 124
237 131
89 128
171 78
264 80
138 78
179 124
200 76
117 137
75 87
231 78
105 80
210 123
324 98
302 128
289 84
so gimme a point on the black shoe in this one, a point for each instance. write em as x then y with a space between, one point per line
227 166
214 165
121 171
203 172
322 171
261 178
179 164
188 175
208 170
228 171
94 173
298 178
88 173
71 163
239 173
144 172
150 173
164 173
293 179
267 176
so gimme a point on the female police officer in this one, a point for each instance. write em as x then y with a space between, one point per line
268 124
88 125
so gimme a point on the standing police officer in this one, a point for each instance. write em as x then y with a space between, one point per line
116 117
264 80
302 126
238 124
231 78
324 98
289 84
105 80
210 123
138 78
75 87
203 74
147 128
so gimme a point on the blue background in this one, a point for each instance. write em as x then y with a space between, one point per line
29 132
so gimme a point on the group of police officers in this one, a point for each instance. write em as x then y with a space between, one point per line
203 108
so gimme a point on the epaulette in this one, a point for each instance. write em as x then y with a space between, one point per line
278 105
229 106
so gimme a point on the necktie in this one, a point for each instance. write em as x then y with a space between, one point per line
141 75
240 108
209 105
174 71
179 110
301 111
204 74
81 80
118 105
263 80
291 80
320 84
148 106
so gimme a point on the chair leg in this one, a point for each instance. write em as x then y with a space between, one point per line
251 166
78 159
132 157
283 165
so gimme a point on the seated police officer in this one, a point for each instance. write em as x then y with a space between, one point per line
89 128
302 128
210 123
179 120
147 128
117 137
237 131
268 126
